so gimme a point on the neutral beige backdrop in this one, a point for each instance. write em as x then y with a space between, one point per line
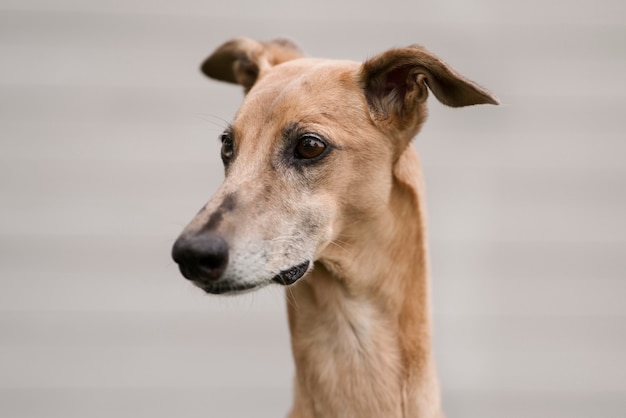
108 146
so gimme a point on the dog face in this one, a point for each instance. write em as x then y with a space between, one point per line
309 155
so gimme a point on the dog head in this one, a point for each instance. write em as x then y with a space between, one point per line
310 152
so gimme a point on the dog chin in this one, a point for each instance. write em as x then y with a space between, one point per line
227 287
230 288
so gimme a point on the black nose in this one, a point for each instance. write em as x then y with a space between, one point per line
201 257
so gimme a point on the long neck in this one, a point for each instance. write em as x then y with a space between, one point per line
360 324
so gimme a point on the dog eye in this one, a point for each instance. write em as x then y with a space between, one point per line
227 146
309 146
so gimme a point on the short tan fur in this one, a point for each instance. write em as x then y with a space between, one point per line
344 229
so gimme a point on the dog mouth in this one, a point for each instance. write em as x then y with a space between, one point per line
284 278
290 276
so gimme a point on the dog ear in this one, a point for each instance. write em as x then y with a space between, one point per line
396 84
241 60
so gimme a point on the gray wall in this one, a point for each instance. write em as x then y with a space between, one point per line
108 146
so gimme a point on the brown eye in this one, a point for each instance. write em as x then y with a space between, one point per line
309 147
227 147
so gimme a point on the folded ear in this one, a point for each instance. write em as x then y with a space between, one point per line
396 83
242 60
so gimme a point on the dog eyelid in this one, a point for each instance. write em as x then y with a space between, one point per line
226 136
227 150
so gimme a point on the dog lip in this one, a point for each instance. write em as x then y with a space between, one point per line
285 278
290 276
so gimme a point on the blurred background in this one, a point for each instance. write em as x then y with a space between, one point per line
108 147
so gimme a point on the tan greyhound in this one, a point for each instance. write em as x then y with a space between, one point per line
324 194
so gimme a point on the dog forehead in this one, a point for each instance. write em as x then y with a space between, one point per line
310 71
301 88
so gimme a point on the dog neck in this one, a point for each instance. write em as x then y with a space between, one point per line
360 323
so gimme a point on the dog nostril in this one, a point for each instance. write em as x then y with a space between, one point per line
213 261
202 257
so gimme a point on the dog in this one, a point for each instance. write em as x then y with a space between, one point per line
323 194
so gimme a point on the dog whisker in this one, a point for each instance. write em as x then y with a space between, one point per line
336 243
283 238
291 299
216 120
